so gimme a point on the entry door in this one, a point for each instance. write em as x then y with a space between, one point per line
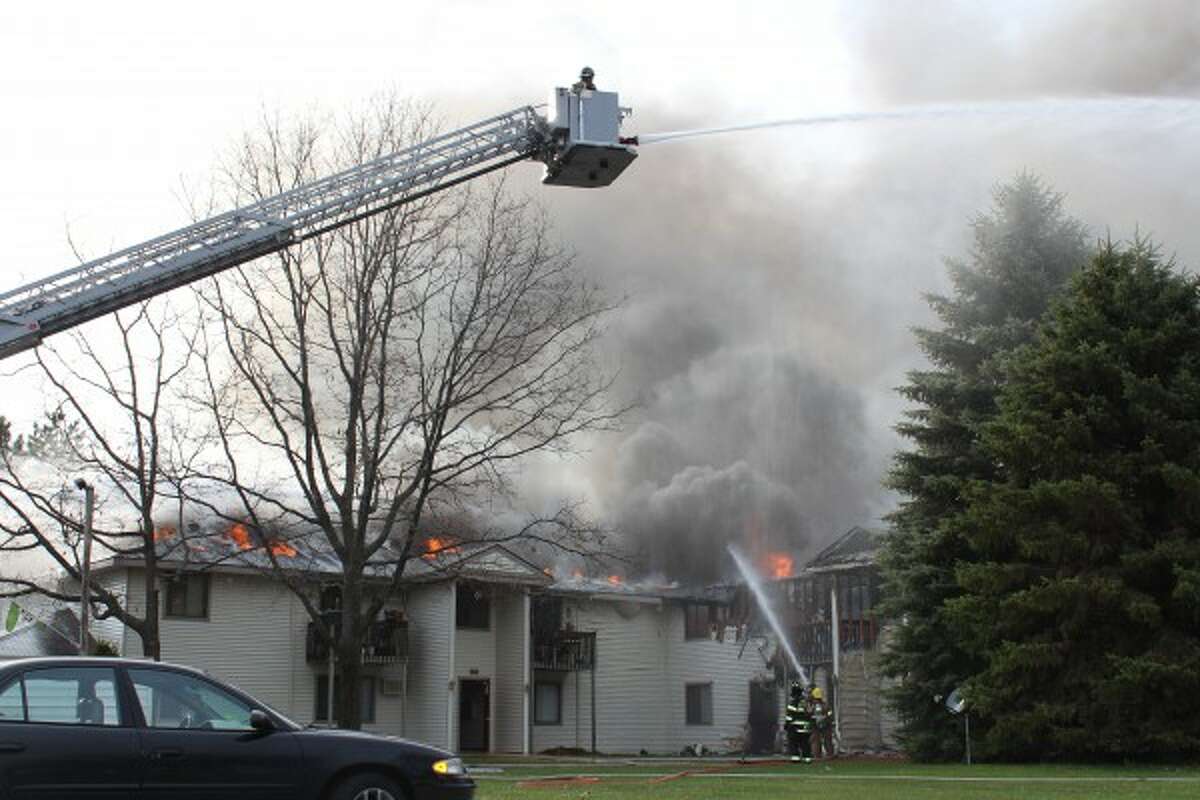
199 744
764 717
474 716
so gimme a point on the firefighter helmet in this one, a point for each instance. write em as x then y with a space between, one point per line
817 694
587 73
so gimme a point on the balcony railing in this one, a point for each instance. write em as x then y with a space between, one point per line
565 651
386 643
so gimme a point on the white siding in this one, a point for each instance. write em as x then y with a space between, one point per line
643 665
254 638
508 687
430 625
111 630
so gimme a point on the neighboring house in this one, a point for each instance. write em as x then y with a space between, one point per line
54 634
842 582
460 659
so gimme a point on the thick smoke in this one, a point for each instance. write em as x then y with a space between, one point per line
773 277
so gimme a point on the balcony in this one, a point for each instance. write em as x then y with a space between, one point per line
386 643
565 651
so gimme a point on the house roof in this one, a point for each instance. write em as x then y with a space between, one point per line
238 549
610 589
58 637
857 547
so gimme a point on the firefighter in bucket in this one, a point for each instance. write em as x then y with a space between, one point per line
799 724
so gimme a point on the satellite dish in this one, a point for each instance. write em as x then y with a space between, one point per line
956 703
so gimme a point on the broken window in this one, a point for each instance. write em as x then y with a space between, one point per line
474 606
699 704
187 595
704 621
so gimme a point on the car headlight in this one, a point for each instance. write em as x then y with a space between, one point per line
450 766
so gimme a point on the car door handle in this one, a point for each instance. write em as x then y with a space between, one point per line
11 747
166 754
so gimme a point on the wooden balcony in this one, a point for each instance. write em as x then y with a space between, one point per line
565 651
386 643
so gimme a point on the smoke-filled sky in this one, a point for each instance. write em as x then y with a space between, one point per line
772 277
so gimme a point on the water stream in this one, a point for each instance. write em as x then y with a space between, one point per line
1136 108
754 581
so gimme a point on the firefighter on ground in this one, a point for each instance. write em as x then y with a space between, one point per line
585 81
799 724
823 725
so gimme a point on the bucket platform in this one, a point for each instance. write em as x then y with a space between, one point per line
585 130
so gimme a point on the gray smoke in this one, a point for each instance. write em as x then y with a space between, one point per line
773 277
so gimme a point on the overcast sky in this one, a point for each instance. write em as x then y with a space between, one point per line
773 276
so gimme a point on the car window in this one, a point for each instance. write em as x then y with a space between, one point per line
175 700
72 696
12 703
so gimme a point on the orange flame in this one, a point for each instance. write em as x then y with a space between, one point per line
240 535
163 533
281 548
780 565
615 580
577 574
435 546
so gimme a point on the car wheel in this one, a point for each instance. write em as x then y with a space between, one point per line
368 786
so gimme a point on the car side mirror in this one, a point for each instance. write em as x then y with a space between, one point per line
259 721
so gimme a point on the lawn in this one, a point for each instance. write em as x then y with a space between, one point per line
852 780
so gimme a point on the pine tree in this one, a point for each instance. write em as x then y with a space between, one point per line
1085 600
1023 253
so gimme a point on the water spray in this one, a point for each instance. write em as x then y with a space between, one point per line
1139 107
754 581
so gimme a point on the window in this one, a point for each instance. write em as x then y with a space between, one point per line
366 688
699 704
704 620
473 607
12 703
547 703
72 696
173 700
187 595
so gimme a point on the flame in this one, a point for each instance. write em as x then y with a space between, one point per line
163 533
240 535
780 565
615 580
548 571
435 546
281 548
577 574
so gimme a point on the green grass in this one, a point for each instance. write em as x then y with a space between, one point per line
848 780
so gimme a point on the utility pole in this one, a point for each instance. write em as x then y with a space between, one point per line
89 503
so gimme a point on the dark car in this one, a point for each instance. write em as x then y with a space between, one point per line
121 728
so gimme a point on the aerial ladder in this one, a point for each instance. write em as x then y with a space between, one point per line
578 141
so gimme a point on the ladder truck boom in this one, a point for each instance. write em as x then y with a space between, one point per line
578 144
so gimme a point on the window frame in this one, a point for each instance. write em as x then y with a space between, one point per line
558 707
321 696
124 718
687 706
221 689
178 580
485 600
18 681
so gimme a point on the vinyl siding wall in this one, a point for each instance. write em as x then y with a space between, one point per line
254 637
643 666
430 619
508 687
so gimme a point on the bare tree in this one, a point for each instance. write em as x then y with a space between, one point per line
111 422
404 360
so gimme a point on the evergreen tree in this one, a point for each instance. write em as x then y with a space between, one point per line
1085 599
1023 253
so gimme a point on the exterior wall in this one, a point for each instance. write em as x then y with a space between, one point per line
254 637
430 619
112 629
509 688
643 665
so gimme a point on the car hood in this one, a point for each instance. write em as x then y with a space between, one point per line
345 738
